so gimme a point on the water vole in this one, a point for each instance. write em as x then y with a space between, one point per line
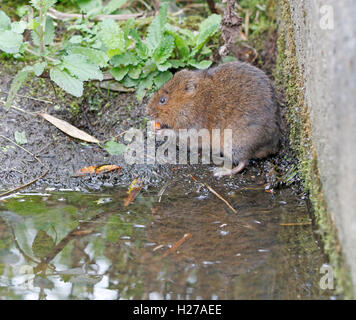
233 95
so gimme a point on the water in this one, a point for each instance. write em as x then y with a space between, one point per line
89 246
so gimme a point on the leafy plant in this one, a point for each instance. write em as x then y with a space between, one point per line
147 65
67 69
143 63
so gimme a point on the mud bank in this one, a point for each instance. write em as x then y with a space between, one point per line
104 115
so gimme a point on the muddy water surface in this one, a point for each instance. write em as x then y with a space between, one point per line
72 245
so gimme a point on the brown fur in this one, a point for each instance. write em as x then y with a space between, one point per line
233 96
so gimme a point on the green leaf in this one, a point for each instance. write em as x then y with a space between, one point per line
156 29
143 86
97 57
164 51
188 35
112 36
163 67
18 26
134 72
16 84
206 30
125 59
87 5
78 66
68 83
49 33
200 65
162 78
176 63
128 27
33 25
76 39
39 67
128 82
114 148
20 137
43 4
5 21
113 5
141 48
10 41
23 10
181 46
149 67
119 72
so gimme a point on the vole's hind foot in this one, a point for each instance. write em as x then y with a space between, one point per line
220 172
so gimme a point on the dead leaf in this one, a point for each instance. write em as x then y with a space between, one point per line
134 189
69 129
97 169
107 168
85 170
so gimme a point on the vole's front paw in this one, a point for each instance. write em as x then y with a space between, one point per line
220 172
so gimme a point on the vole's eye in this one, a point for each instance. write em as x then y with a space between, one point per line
162 100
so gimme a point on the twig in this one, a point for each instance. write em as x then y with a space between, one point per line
247 21
24 185
57 15
177 245
215 193
24 111
27 97
163 189
30 153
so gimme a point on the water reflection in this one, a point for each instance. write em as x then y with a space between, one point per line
89 246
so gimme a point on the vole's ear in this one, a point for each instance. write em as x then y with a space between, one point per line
191 86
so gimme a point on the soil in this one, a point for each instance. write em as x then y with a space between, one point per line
103 114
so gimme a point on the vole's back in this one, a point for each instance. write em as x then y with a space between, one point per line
242 99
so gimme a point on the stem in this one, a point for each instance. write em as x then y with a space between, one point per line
41 30
38 55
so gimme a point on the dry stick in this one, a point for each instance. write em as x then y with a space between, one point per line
177 244
31 182
57 15
247 21
24 185
27 97
24 111
214 192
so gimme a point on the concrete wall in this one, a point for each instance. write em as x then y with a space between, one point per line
327 58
